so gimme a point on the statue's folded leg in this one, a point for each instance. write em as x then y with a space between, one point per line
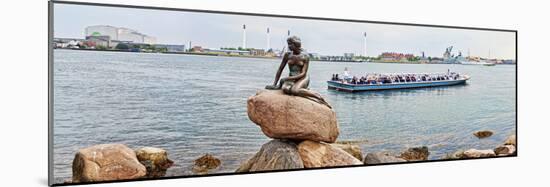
300 89
318 98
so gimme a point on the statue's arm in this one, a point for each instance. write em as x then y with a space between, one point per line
281 68
303 73
279 72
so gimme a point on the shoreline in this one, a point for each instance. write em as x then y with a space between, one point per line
256 57
185 169
173 53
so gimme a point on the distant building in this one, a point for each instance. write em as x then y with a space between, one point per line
228 51
114 43
257 52
67 42
315 56
436 60
101 40
102 30
119 33
197 49
395 57
171 48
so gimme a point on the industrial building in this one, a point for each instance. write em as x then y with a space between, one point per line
120 34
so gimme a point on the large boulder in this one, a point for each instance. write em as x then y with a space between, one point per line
106 162
474 153
352 149
319 154
274 155
292 117
381 157
155 161
416 154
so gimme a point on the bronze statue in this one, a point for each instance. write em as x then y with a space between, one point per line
298 81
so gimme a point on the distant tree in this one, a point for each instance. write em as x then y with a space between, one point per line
228 48
122 46
148 46
161 49
413 58
101 47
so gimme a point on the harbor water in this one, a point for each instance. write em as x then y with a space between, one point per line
191 105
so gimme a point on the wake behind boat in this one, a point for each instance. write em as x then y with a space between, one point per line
372 82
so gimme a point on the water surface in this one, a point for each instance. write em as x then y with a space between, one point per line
192 105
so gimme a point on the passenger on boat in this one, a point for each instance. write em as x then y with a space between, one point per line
354 80
386 80
362 80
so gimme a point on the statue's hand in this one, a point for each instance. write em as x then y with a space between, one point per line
272 87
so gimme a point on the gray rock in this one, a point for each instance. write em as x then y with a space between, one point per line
274 155
381 157
415 154
474 153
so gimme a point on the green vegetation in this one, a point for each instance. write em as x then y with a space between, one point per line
101 47
122 46
413 59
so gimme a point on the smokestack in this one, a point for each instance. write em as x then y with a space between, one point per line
244 37
268 42
365 44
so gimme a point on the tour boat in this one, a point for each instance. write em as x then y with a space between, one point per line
398 81
485 63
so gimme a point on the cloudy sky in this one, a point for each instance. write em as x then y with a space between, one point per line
323 37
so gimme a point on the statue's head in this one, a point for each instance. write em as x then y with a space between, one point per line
294 43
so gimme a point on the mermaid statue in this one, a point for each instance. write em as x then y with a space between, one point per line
298 81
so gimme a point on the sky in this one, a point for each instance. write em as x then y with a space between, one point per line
323 37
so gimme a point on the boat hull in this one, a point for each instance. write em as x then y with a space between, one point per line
391 86
476 63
